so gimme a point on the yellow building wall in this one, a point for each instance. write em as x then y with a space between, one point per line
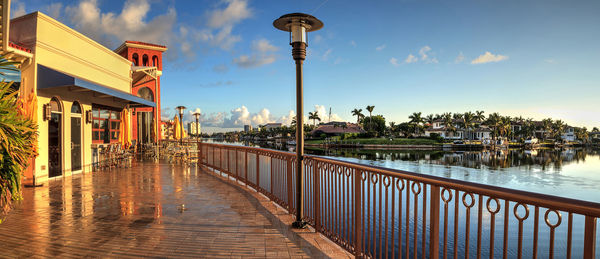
65 50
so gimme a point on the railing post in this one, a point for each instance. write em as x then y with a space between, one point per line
317 194
290 186
246 166
434 222
358 253
257 171
589 240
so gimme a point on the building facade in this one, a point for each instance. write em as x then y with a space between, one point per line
146 59
83 90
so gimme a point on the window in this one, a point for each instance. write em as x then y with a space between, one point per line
155 61
105 125
145 60
146 93
136 59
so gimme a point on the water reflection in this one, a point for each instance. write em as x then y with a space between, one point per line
545 159
572 173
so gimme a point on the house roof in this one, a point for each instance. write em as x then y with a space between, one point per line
338 129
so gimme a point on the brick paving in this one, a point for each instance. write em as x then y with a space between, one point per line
154 210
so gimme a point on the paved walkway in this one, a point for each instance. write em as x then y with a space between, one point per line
155 210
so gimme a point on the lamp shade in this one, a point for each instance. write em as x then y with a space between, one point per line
298 24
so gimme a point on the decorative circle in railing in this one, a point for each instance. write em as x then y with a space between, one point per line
363 175
398 180
413 188
374 178
515 211
558 221
464 199
348 171
386 180
489 208
444 199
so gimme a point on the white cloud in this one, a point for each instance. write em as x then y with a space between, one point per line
326 54
18 9
411 59
394 61
324 114
425 56
317 39
551 61
423 52
380 48
54 10
263 55
222 68
131 22
235 12
488 57
459 58
287 119
353 43
263 45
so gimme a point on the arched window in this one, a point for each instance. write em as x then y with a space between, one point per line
146 94
76 108
155 61
145 60
136 59
55 105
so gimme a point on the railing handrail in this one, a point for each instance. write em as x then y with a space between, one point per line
537 199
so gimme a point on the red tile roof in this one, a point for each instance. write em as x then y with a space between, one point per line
338 129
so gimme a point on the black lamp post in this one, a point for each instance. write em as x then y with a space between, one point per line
297 24
198 137
180 109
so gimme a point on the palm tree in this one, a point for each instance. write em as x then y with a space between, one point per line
448 122
547 124
392 127
558 129
468 121
314 116
479 116
358 114
493 121
370 108
429 119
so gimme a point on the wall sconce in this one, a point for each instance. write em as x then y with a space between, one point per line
47 111
88 116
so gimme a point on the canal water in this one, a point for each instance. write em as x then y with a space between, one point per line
572 173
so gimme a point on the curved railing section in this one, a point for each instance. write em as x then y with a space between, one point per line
384 213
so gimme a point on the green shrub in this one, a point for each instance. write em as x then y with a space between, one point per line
17 136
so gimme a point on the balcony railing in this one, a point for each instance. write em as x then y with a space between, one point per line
384 213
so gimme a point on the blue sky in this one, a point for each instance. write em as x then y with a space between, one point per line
532 58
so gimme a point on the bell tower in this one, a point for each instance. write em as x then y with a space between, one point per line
146 68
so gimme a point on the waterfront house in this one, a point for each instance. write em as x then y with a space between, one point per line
82 89
336 128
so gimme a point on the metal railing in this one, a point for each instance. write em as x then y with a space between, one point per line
383 213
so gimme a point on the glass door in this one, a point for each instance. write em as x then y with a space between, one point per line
76 137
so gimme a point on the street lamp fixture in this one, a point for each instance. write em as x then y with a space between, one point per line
198 137
180 109
298 24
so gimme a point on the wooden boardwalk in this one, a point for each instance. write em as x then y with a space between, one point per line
154 210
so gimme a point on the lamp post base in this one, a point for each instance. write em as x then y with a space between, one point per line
299 224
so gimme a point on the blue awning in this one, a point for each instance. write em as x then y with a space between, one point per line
50 78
